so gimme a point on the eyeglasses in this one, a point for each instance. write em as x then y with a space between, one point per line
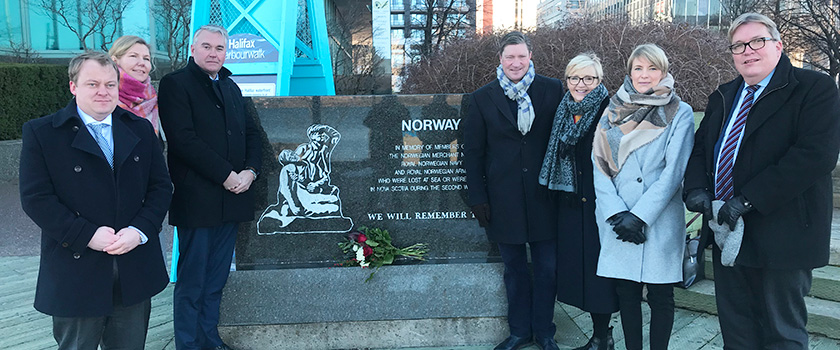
755 44
587 80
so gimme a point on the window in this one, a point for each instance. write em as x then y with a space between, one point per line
397 35
418 19
397 20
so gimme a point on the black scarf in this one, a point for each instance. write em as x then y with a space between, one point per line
559 166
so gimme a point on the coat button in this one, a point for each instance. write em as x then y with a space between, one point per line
524 170
229 133
76 256
75 128
64 245
77 214
136 158
78 169
639 179
583 199
219 107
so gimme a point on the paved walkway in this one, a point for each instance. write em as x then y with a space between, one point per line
23 328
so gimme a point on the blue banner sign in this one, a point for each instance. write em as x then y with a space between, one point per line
250 48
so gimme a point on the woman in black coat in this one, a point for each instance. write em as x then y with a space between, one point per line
567 168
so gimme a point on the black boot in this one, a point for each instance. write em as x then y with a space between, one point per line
600 344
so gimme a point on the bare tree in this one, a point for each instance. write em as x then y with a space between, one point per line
813 28
173 20
733 8
367 76
87 19
358 69
440 21
17 52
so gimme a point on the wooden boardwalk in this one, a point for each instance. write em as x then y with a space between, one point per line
23 328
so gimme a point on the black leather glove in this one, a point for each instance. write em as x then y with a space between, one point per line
482 214
613 220
699 201
732 210
637 237
629 227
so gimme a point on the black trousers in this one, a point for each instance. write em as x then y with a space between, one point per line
203 269
531 297
661 301
761 308
123 329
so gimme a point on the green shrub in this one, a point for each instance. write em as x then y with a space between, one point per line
29 91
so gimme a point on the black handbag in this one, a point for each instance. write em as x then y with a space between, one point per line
691 258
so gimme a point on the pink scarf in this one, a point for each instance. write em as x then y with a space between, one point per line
139 98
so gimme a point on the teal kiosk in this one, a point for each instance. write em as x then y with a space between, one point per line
276 48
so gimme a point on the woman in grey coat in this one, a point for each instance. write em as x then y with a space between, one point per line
640 151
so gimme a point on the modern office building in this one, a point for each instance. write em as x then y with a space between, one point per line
553 12
707 13
56 30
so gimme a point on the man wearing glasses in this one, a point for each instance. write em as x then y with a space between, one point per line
766 148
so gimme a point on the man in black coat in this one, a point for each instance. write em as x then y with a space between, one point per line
214 157
505 137
766 148
93 178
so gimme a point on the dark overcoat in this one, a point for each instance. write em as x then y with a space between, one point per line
503 165
789 148
68 189
578 243
209 136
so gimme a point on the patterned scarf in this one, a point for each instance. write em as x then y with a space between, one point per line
519 93
560 166
633 120
139 98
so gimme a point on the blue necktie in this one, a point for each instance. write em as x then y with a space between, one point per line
723 181
104 144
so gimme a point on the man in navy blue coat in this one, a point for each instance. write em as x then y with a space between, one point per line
93 178
214 157
505 137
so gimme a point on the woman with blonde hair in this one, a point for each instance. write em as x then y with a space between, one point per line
641 148
137 95
567 168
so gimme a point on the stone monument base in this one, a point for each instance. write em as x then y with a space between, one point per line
369 334
417 305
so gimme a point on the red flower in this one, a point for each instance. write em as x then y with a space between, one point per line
367 250
361 239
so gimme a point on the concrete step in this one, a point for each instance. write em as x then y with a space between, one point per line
823 315
825 285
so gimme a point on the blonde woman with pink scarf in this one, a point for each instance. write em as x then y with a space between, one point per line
137 95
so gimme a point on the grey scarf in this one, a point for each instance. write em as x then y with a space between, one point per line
559 167
519 92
